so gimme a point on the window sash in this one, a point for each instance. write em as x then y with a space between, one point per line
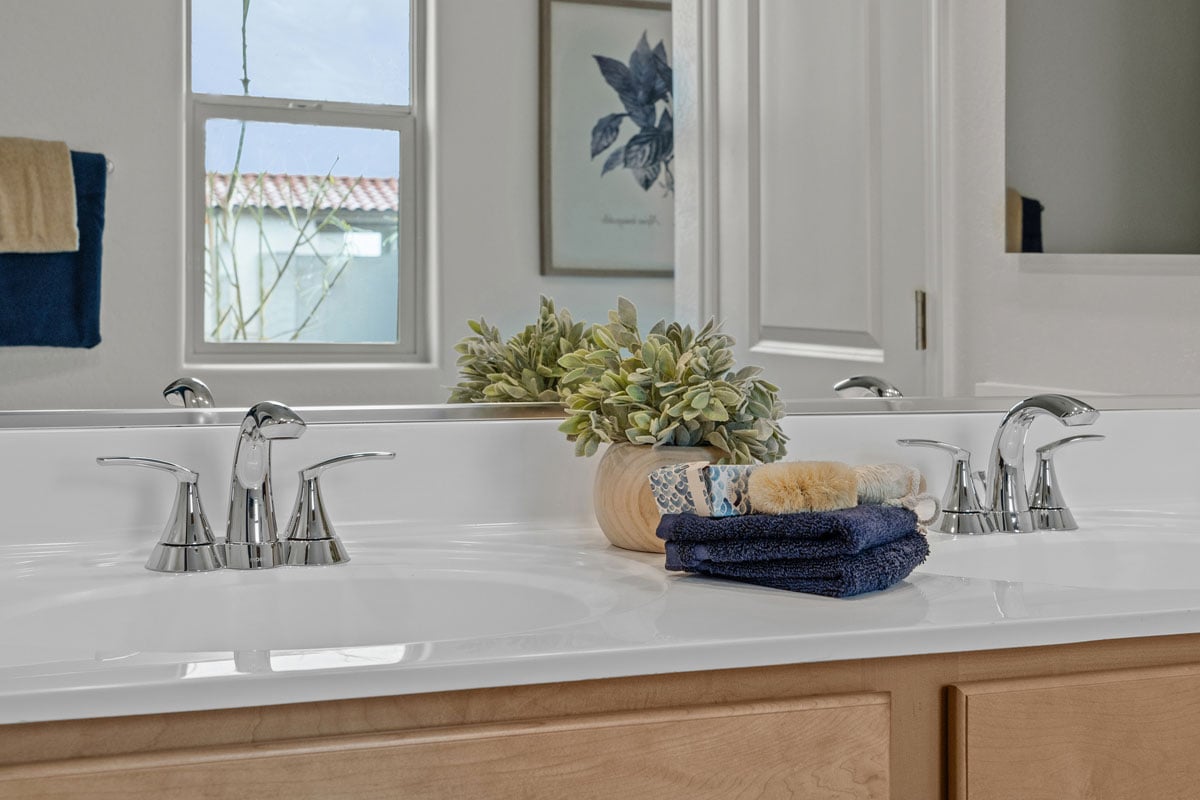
411 338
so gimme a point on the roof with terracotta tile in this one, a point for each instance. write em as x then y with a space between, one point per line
269 190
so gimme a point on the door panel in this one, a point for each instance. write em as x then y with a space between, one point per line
818 173
825 179
1118 735
835 746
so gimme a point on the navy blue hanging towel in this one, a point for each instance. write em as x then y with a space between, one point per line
53 299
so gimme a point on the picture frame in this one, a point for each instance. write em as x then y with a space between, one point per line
606 138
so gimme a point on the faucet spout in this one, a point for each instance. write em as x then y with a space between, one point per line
263 423
866 386
1007 496
251 539
189 393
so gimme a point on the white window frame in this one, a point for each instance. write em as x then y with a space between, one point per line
412 334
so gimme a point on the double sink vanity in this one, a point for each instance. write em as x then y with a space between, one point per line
482 638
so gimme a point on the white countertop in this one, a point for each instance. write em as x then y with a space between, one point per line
442 601
88 632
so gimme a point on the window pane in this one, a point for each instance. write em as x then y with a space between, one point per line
301 233
353 51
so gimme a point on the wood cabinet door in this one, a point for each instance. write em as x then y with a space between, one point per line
822 747
1125 734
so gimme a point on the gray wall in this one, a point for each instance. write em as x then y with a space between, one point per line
1103 110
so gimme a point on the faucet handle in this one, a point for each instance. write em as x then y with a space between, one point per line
1046 451
310 537
961 510
184 474
956 452
1050 511
317 470
187 543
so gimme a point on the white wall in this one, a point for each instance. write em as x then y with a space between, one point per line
1103 108
1094 325
109 77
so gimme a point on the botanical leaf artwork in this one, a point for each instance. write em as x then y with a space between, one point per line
642 87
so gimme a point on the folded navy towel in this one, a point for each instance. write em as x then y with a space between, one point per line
833 576
53 299
765 549
849 530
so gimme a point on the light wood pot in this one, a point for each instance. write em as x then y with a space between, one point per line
624 503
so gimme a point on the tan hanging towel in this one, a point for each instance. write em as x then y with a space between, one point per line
37 197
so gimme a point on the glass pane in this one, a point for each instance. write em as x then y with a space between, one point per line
354 51
302 233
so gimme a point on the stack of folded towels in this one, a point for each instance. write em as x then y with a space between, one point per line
806 526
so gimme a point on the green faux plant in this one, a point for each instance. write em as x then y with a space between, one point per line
675 387
523 369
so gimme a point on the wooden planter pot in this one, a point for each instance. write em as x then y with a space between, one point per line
624 503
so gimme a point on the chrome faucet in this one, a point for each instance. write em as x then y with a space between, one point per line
872 386
189 393
1007 497
251 539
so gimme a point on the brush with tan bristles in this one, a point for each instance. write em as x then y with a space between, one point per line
789 487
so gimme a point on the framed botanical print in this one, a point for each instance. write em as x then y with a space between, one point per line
607 138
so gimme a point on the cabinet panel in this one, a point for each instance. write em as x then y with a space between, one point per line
1122 734
832 746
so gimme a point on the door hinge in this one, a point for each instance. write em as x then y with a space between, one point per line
922 341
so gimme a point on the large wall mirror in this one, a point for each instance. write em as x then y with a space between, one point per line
1103 100
1103 109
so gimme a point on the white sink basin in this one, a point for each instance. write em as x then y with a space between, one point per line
1112 557
388 594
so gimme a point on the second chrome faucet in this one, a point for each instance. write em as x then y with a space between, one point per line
1007 497
1007 505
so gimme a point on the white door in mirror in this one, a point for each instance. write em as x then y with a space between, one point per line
824 216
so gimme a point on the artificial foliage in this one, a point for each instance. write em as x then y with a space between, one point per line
673 387
524 368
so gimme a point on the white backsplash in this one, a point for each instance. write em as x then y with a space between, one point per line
523 471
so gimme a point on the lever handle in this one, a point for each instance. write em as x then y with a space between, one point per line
962 512
310 538
956 452
1045 497
317 470
1046 451
187 543
183 474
